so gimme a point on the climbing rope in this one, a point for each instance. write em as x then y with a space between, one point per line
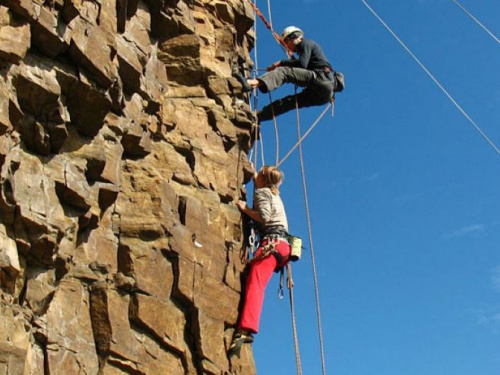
309 229
256 96
477 21
276 36
258 138
275 131
262 158
294 323
269 13
257 133
479 130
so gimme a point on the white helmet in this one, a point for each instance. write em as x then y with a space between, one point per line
292 31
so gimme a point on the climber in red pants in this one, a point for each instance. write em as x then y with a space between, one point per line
273 252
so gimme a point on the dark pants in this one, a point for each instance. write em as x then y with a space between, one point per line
318 89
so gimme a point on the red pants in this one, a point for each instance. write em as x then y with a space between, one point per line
260 274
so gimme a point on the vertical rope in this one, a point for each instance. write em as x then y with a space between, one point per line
256 96
269 13
278 38
262 150
309 229
294 323
275 131
255 148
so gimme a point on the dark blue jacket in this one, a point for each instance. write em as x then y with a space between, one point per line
310 56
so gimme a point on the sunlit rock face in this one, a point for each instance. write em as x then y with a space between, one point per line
122 153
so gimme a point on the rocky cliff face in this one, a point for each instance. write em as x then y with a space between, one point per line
122 154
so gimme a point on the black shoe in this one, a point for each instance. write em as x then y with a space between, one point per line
239 339
245 87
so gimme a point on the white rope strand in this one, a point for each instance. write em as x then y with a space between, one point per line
480 131
301 139
256 96
263 159
276 131
269 13
477 21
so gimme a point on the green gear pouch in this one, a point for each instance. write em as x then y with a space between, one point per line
296 247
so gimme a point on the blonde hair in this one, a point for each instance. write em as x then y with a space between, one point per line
273 178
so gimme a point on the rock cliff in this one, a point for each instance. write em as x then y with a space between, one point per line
122 153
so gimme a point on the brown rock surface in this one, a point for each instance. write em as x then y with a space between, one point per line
122 154
14 42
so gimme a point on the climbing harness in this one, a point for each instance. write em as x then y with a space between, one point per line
427 71
267 250
270 247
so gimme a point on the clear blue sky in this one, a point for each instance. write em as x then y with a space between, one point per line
404 194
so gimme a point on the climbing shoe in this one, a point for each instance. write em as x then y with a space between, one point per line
239 339
245 87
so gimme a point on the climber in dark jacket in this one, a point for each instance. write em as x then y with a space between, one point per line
310 70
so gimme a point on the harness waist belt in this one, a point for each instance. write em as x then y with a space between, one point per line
274 236
278 231
325 72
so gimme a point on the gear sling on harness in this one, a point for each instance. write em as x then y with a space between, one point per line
270 248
